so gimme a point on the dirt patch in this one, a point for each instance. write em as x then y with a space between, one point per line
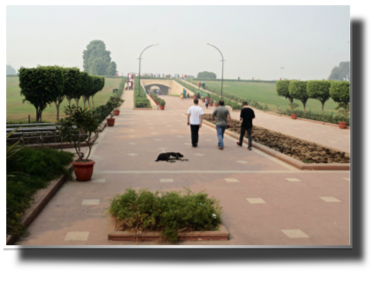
298 149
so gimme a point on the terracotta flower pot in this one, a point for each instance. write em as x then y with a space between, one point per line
211 104
216 105
110 121
203 100
161 107
83 171
116 112
293 115
342 124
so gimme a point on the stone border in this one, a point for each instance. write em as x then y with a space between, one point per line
45 195
113 235
287 159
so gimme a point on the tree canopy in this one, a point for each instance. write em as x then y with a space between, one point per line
318 90
97 60
297 90
206 75
282 89
339 72
340 91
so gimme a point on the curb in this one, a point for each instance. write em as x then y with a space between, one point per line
113 235
287 159
46 195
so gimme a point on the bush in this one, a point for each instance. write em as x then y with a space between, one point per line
167 212
297 90
140 101
33 168
340 91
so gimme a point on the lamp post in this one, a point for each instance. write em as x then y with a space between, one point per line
139 93
221 92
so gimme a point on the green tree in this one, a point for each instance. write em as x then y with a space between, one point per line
319 90
10 70
282 89
97 60
112 69
82 88
41 86
206 75
339 72
87 88
297 90
97 86
340 92
72 85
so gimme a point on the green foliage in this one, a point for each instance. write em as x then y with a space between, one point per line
316 116
41 86
297 90
293 107
33 168
318 90
282 89
97 60
168 212
340 91
72 82
206 75
339 72
80 122
343 108
140 101
10 70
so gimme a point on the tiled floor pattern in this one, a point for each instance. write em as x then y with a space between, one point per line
256 214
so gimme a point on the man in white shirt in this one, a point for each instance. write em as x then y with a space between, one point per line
195 120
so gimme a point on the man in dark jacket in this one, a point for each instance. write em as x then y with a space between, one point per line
246 116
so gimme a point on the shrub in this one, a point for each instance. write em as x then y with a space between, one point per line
167 212
340 91
282 89
297 90
318 90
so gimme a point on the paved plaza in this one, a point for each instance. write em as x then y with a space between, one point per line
265 201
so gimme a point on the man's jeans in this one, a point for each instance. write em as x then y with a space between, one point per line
249 132
220 131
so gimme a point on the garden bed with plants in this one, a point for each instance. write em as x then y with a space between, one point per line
158 101
298 149
164 215
140 101
28 171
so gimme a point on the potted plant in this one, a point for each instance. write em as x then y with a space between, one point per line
117 102
343 108
293 107
216 103
162 104
203 99
110 120
79 127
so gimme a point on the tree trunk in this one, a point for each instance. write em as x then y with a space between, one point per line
322 108
84 100
89 104
304 103
37 117
70 113
58 111
93 102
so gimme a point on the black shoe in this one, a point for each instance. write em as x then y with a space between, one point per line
249 148
238 144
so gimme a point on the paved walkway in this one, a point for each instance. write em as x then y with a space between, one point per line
264 201
323 134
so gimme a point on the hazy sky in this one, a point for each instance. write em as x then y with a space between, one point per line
308 41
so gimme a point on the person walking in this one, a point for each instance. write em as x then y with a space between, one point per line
198 96
206 101
129 85
203 85
199 85
223 120
195 120
184 93
246 116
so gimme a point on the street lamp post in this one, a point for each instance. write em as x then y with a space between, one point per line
221 92
139 93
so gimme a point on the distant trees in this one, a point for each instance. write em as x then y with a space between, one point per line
11 70
206 75
97 60
340 72
282 89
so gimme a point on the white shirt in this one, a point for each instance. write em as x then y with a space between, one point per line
196 112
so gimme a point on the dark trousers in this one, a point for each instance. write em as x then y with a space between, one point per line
249 132
194 134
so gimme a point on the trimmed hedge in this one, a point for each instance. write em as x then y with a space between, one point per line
140 101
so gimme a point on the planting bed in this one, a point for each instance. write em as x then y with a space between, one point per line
303 151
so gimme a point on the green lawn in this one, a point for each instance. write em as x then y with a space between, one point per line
18 111
265 93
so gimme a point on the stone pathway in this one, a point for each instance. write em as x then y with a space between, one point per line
265 201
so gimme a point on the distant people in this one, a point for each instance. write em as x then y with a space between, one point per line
238 78
246 116
253 79
198 96
188 95
129 85
184 92
195 120
181 96
206 102
132 84
199 85
203 85
223 120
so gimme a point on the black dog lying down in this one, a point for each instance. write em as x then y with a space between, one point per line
170 157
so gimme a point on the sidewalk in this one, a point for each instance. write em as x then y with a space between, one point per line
325 135
264 201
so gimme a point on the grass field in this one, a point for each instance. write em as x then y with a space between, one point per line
265 93
18 111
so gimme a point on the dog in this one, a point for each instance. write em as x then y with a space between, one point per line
170 157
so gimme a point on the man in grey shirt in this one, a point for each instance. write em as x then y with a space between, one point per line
223 120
